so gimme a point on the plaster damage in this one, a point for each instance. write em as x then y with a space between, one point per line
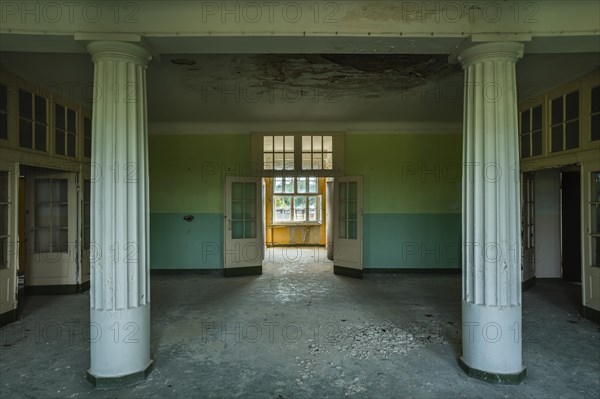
358 76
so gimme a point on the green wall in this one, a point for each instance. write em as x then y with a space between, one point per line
412 197
187 174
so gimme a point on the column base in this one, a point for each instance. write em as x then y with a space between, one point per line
120 381
493 378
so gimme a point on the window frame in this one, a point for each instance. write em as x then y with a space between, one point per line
33 121
317 194
4 111
564 121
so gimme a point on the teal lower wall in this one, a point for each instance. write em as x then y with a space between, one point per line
411 241
177 244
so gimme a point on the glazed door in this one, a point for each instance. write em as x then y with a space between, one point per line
243 244
347 236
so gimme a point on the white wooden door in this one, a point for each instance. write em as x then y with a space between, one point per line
243 242
51 218
347 228
8 240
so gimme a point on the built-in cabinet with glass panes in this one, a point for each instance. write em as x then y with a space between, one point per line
531 132
564 122
33 121
3 112
595 113
4 208
65 132
595 218
51 215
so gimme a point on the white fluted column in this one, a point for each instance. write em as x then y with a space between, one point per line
491 294
120 281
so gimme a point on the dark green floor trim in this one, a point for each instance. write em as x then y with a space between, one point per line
243 271
83 287
413 270
525 285
591 314
347 271
8 317
177 272
121 381
493 378
51 289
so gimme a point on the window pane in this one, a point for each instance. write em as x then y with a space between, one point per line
525 127
300 209
40 137
342 229
536 141
43 240
596 127
3 186
301 182
59 116
328 143
352 191
352 229
86 238
596 251
43 215
3 219
3 126
3 98
25 108
525 150
268 144
278 143
312 209
572 135
59 142
557 138
237 191
60 216
328 161
237 210
237 229
572 105
250 210
71 145
289 185
278 185
278 162
596 99
250 227
313 186
43 190
3 252
352 214
25 133
268 162
289 161
60 239
306 161
595 223
40 109
557 110
306 144
59 188
596 186
87 147
71 120
283 206
317 143
536 119
250 193
289 143
317 162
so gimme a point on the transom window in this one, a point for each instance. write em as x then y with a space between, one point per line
33 121
66 131
317 152
296 200
278 152
564 122
3 112
51 215
531 132
595 114
4 204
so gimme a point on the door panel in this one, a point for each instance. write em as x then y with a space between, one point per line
51 220
347 226
8 253
243 242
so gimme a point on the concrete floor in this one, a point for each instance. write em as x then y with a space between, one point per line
298 331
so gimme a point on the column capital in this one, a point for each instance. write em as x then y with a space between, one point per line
484 51
118 50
